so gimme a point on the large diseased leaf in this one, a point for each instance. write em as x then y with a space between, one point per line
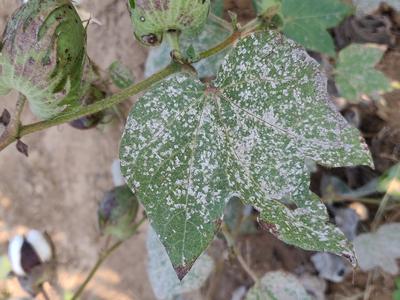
189 147
307 21
356 73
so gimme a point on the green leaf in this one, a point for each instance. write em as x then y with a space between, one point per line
379 249
162 275
212 34
189 147
356 73
276 286
263 5
217 7
120 75
390 182
307 21
396 295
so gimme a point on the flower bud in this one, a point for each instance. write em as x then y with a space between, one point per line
32 259
43 55
153 18
117 212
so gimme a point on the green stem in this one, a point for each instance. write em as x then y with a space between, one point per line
102 258
382 205
232 244
173 40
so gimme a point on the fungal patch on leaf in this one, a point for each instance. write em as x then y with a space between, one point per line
188 148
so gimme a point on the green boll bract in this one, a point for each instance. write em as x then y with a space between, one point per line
117 212
43 54
153 18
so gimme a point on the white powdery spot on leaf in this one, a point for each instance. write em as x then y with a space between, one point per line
189 147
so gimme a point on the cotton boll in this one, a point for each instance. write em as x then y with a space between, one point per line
14 254
40 244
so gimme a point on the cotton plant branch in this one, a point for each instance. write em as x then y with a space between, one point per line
10 135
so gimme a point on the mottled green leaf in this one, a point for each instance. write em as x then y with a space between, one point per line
120 75
307 21
212 34
356 74
278 286
189 147
162 275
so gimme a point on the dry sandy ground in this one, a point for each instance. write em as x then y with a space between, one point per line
57 188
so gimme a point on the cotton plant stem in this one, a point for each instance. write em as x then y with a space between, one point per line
382 206
102 258
8 137
232 244
220 21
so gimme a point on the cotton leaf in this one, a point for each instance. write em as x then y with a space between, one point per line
120 75
278 285
211 35
307 21
356 73
189 147
263 5
380 249
162 275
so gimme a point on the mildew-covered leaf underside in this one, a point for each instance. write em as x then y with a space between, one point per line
189 147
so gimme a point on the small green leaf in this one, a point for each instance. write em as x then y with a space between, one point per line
379 249
390 182
356 73
211 35
189 147
261 6
162 275
217 7
276 286
307 21
120 75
